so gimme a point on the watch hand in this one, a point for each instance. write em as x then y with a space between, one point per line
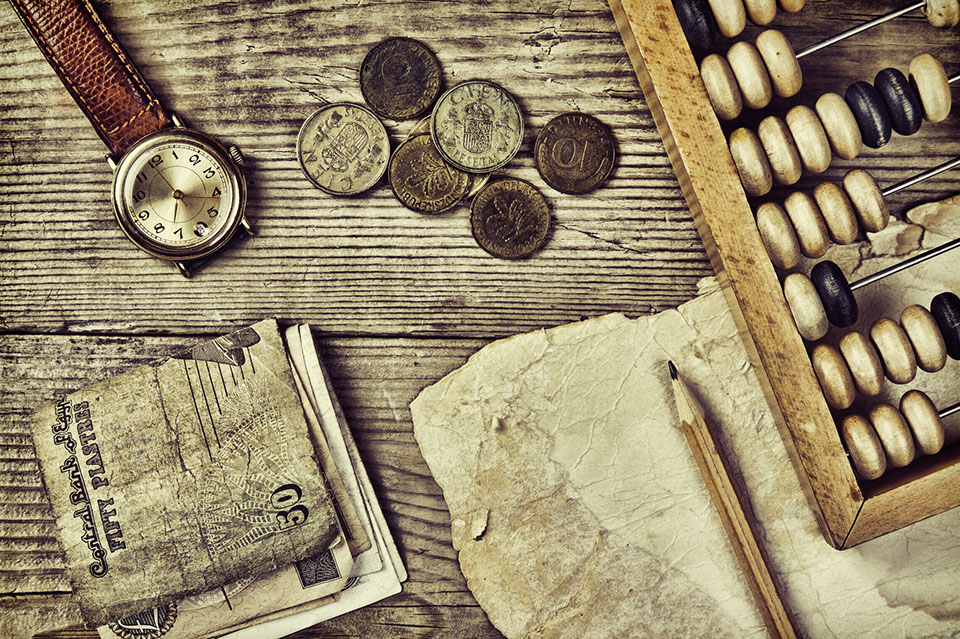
160 173
176 203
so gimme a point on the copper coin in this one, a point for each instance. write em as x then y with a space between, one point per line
510 218
422 181
400 78
574 153
477 126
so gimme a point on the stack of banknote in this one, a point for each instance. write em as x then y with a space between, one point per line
215 493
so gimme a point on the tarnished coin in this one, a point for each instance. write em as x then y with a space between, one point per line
510 218
574 153
343 148
477 126
477 182
422 181
400 78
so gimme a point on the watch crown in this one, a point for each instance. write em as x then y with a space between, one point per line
236 155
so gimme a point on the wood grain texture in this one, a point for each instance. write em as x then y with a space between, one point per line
364 268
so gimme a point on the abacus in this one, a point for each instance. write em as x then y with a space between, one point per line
865 474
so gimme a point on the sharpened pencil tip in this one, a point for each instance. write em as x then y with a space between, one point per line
673 369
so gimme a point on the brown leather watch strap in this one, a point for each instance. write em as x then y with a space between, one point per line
95 69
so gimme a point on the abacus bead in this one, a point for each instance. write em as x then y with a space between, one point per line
782 153
751 161
866 452
781 62
930 80
697 23
928 345
896 353
791 6
867 199
808 223
924 421
864 363
761 12
838 212
838 301
901 100
751 74
805 305
894 434
942 13
778 236
810 138
730 16
871 113
834 376
722 88
945 309
840 125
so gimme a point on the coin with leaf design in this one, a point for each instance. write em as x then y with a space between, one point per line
510 218
422 181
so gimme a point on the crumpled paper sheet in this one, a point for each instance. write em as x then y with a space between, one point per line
578 510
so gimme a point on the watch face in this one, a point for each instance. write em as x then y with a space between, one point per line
177 195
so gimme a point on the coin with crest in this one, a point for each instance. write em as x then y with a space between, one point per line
574 153
343 148
400 78
422 181
510 218
477 126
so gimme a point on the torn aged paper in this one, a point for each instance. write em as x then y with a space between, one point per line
182 476
578 510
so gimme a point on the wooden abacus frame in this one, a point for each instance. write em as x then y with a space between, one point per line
848 511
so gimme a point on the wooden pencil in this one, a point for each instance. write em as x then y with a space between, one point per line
715 470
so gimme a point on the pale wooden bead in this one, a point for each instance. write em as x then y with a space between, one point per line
778 236
894 434
751 161
842 129
931 81
808 223
751 74
781 151
864 446
810 138
924 421
864 363
806 306
942 14
761 12
867 199
791 6
781 63
896 352
721 86
838 212
730 15
834 375
925 337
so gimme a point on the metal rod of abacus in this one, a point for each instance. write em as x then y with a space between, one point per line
920 177
947 412
902 266
861 28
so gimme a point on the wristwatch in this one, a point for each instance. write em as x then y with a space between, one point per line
178 194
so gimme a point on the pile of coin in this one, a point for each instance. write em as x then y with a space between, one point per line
474 129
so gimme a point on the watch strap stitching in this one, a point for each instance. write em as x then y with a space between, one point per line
62 72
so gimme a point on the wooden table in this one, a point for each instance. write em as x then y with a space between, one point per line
396 299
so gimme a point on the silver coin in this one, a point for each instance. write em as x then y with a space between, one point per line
477 126
343 148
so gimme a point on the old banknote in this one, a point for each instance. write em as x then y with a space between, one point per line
183 476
